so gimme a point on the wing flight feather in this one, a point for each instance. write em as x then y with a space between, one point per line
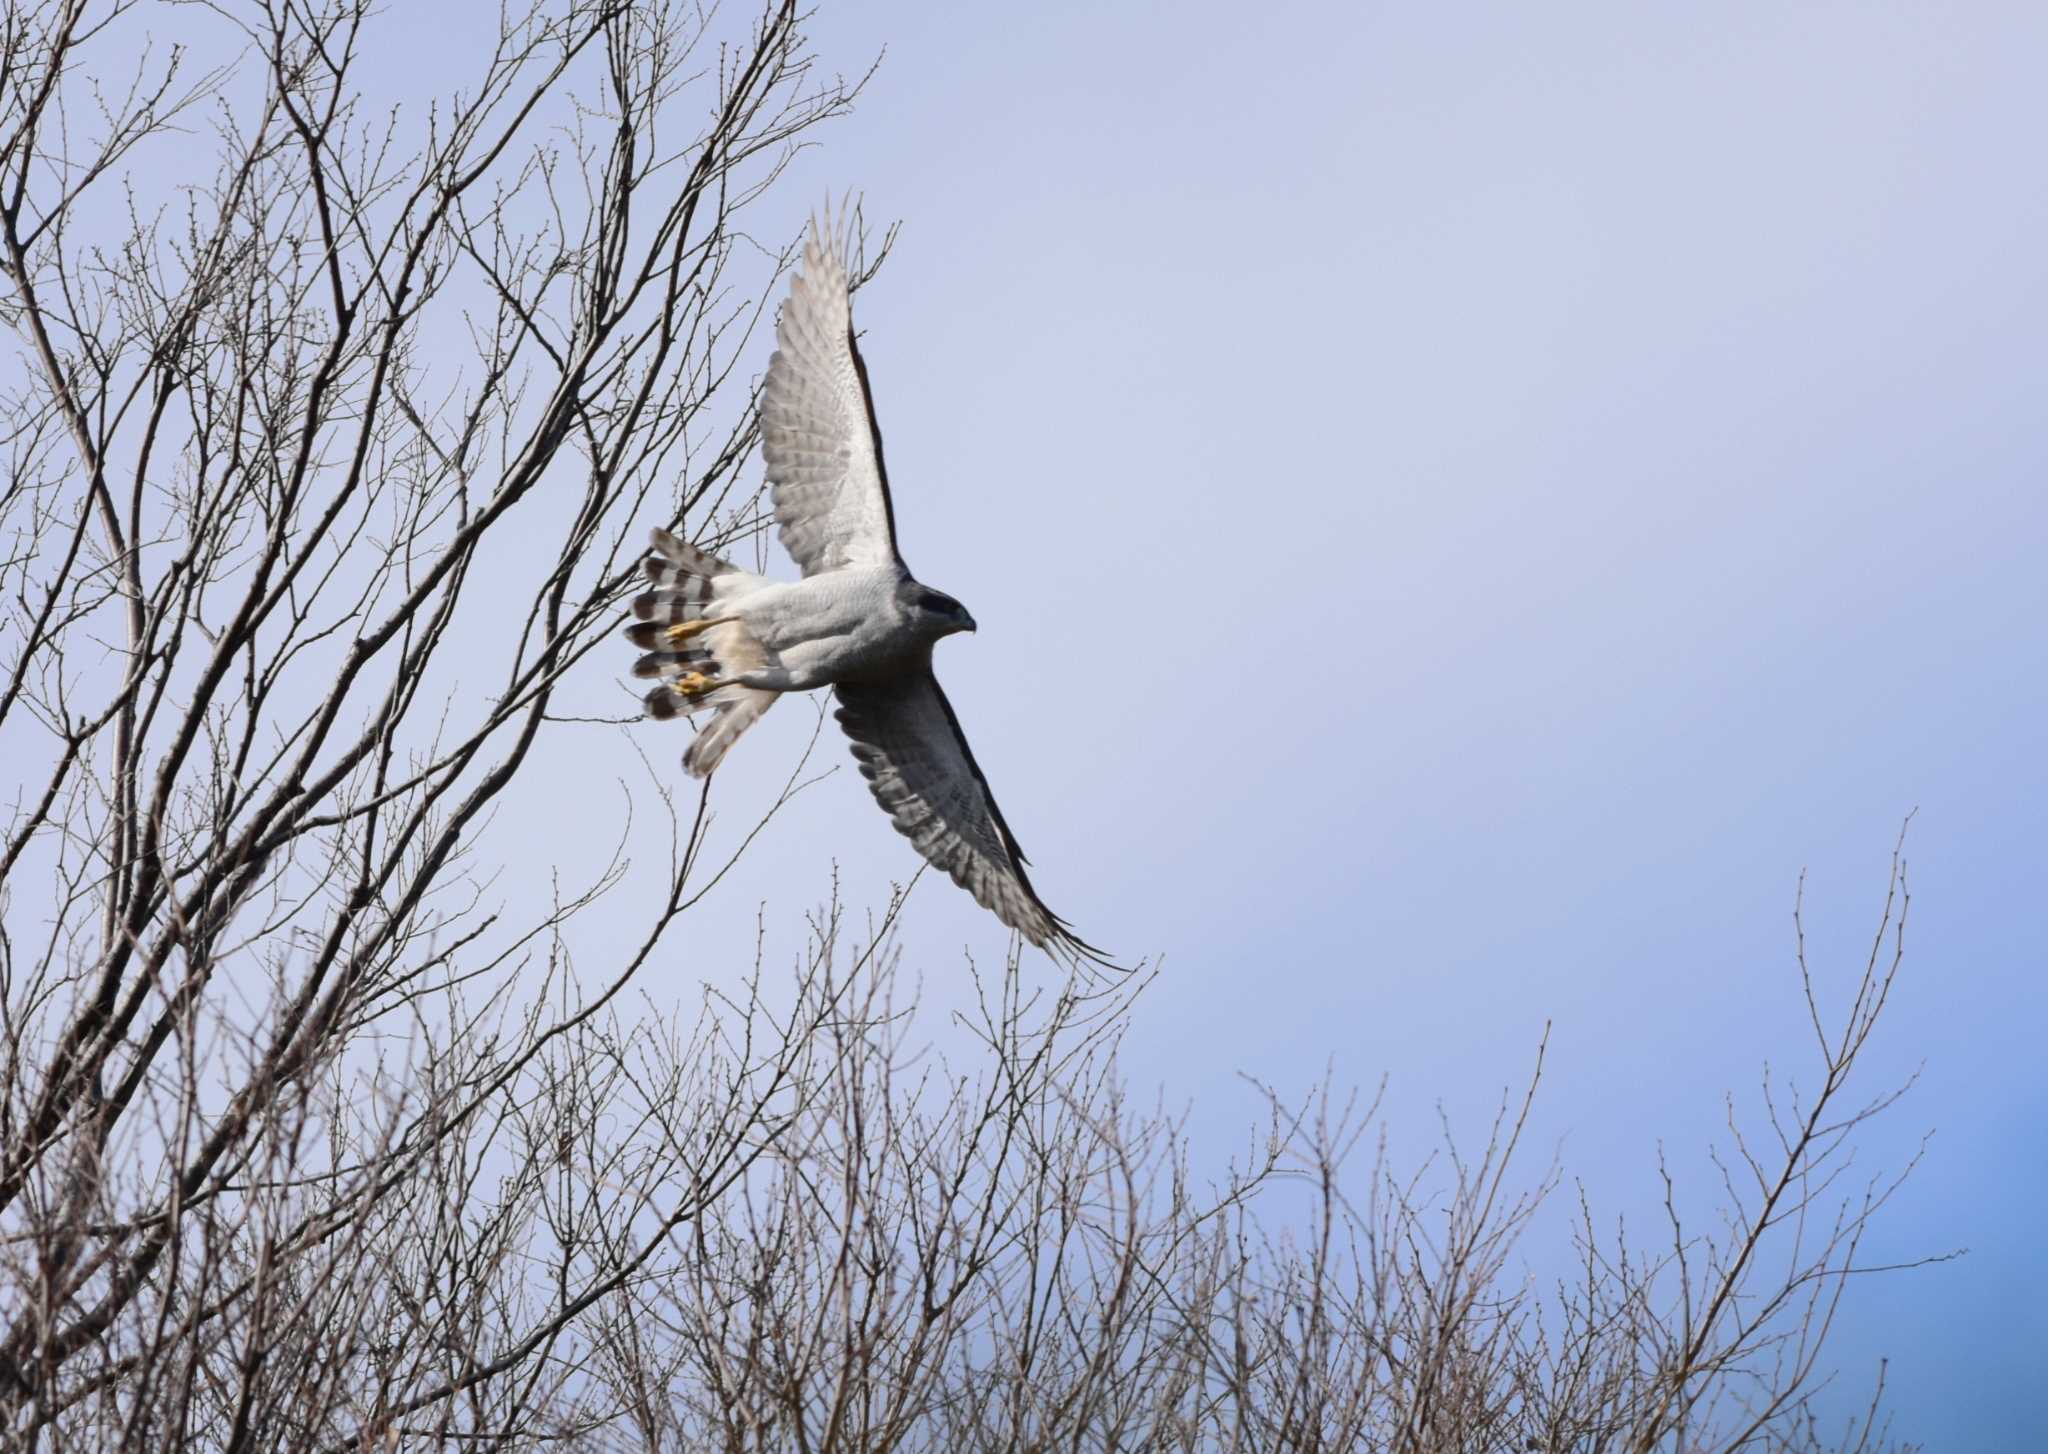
818 431
912 752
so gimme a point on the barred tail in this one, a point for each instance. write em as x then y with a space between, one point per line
692 648
739 709
686 581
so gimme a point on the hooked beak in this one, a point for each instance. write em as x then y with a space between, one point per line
970 621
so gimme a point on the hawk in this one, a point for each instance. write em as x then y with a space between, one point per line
727 642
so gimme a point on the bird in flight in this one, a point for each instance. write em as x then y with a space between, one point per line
728 642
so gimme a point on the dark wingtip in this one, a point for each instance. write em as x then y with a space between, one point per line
1061 942
661 704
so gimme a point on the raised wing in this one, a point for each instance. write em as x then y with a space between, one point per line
818 431
915 758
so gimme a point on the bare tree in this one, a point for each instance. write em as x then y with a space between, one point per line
333 437
1011 1256
254 516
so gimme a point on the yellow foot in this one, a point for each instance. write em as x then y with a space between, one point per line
694 684
683 630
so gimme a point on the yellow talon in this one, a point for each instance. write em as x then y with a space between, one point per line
683 630
693 684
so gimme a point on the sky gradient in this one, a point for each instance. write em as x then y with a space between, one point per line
1463 504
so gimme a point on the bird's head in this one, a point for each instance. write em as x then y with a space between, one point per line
937 613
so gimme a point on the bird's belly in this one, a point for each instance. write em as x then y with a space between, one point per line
820 631
830 659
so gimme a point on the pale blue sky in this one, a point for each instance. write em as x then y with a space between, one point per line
1462 504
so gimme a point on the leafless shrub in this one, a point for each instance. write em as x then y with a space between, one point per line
308 1142
1009 1255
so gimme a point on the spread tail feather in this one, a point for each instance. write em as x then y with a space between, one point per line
741 709
690 647
687 582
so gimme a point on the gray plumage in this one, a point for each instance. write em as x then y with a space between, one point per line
727 641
